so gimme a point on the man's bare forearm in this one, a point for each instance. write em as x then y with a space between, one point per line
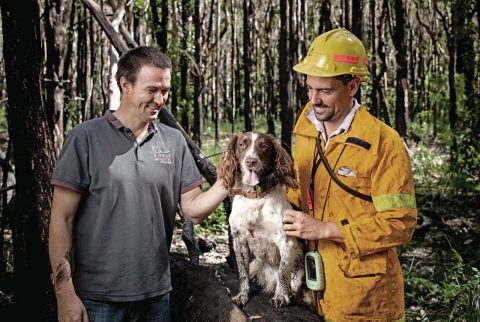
63 272
198 205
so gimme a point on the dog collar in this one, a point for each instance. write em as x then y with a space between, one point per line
258 192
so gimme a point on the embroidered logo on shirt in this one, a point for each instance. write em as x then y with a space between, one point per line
161 156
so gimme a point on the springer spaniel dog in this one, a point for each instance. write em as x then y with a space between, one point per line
257 170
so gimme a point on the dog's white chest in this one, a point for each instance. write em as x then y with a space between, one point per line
259 215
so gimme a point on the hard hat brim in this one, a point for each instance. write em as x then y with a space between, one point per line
308 69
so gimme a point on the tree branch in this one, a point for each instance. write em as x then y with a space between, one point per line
106 25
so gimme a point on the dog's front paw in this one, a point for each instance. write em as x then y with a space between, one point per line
240 299
280 299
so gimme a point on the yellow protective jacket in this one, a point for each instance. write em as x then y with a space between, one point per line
363 277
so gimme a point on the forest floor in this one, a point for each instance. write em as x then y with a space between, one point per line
447 239
438 264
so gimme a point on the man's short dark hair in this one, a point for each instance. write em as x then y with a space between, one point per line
345 78
133 60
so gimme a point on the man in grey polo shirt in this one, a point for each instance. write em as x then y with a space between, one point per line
117 184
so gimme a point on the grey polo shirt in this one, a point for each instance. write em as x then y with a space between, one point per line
124 224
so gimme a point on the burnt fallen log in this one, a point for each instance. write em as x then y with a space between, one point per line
203 293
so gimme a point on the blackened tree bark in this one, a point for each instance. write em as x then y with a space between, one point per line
373 59
184 64
239 98
233 66
357 29
345 5
271 84
325 12
93 54
217 58
247 64
56 14
466 64
452 110
401 80
383 62
33 158
163 43
160 26
81 72
156 29
285 75
198 78
67 74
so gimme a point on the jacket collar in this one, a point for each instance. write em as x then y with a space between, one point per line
363 126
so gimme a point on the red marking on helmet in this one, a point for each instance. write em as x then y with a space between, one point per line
364 60
346 59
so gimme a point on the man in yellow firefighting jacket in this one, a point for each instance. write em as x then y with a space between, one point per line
356 235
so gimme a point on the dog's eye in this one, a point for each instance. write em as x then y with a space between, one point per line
241 145
265 147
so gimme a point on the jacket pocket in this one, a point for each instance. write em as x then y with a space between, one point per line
360 184
371 265
357 182
362 286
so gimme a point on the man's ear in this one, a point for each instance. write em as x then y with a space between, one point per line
353 86
125 85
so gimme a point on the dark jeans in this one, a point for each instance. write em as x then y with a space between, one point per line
155 309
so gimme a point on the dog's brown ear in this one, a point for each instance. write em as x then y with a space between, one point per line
284 169
228 164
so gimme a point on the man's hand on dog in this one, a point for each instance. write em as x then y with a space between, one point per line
299 224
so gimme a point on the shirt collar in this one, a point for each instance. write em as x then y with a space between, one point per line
112 119
343 128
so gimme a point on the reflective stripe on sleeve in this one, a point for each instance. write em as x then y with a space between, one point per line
397 200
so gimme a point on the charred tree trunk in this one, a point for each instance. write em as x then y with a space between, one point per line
239 98
247 65
184 65
452 110
93 53
373 60
285 75
33 157
160 26
164 27
217 67
401 73
357 29
383 66
81 88
270 75
67 74
57 14
198 78
191 283
345 5
233 66
325 12
466 65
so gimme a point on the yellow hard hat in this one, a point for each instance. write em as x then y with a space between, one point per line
333 53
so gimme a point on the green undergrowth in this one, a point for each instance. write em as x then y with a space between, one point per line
450 292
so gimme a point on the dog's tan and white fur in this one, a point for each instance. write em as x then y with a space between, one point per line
263 252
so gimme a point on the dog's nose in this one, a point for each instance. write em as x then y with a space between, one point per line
250 162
